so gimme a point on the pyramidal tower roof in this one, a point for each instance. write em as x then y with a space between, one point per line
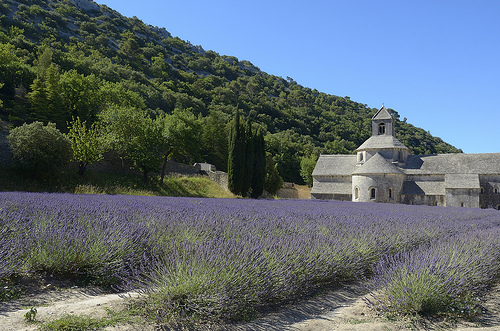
381 142
377 164
382 114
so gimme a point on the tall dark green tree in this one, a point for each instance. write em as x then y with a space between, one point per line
259 165
249 157
236 158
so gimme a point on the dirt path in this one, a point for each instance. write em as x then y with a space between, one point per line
57 303
341 309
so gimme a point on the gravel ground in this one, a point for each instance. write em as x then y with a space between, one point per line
340 309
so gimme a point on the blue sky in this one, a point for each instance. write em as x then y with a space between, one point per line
436 62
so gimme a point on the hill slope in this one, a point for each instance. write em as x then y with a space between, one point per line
65 58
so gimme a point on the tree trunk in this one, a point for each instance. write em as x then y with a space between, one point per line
145 175
163 167
82 166
166 157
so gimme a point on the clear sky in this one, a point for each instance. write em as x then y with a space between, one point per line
437 62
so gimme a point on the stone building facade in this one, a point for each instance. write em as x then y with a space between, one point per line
383 170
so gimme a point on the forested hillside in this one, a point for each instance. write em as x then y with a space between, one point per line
64 59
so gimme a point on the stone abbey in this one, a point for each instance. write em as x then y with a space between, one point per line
384 170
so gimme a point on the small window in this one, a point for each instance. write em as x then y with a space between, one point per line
495 190
390 194
482 190
381 128
461 204
356 193
373 193
360 157
498 207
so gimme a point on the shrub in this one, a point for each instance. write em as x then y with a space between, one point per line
39 149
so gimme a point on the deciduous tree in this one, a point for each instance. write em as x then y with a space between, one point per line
135 136
181 133
87 143
39 149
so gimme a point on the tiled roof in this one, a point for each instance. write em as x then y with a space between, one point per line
381 142
461 181
423 187
332 188
377 164
382 114
335 165
483 164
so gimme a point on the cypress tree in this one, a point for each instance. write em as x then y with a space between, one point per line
249 158
236 157
259 165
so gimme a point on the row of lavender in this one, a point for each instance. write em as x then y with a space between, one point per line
209 258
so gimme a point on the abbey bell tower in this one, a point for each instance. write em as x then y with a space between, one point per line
382 123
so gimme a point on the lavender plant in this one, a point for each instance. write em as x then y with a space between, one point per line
226 259
445 276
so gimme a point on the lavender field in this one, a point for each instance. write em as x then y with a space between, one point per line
226 259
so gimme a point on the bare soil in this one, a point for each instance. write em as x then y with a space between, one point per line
339 309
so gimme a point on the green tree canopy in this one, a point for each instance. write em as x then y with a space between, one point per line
307 164
181 132
134 135
87 143
38 149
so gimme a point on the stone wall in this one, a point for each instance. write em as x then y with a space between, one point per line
420 199
290 191
328 196
462 198
181 169
219 177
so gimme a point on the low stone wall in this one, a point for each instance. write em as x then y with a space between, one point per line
174 168
290 191
219 177
287 193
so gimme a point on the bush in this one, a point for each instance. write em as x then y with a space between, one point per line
39 149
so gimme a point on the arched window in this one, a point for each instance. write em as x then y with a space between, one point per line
381 128
356 193
495 190
373 193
